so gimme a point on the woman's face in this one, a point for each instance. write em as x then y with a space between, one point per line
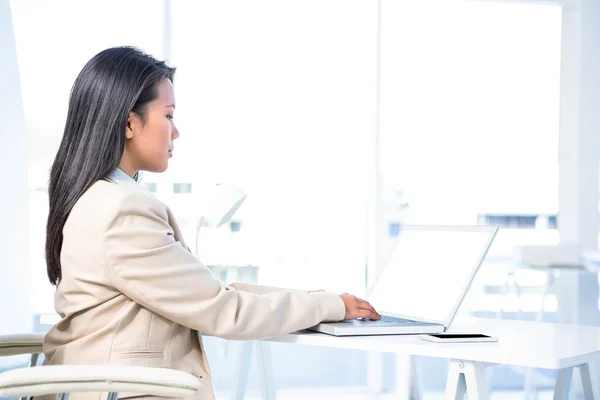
149 141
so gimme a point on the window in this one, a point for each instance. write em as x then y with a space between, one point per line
469 113
469 127
285 113
182 188
394 229
519 221
150 186
235 226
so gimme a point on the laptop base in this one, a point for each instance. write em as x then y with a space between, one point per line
347 328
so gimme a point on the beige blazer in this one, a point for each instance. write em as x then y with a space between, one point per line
133 294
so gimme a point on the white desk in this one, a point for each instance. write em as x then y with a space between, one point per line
525 344
576 289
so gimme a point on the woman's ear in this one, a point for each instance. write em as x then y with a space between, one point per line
133 125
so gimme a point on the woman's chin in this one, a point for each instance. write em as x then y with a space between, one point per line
157 169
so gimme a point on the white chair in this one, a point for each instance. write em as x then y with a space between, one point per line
29 343
64 379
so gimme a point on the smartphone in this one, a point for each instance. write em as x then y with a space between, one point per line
458 338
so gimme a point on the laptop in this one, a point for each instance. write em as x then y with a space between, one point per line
424 281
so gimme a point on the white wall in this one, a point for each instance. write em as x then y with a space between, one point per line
14 239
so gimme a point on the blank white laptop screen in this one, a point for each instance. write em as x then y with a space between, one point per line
427 272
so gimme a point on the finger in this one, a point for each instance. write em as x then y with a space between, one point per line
368 314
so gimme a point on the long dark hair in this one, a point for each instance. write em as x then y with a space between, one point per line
112 84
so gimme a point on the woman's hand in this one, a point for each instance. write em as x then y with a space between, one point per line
358 308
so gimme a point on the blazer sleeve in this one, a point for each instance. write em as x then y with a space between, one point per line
150 267
259 289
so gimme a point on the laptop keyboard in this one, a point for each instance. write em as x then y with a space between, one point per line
384 321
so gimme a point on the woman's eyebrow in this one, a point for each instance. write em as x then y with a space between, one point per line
170 105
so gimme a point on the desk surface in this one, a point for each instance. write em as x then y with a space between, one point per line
527 344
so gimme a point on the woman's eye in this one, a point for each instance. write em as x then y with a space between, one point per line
170 117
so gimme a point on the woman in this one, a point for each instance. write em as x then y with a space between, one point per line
128 289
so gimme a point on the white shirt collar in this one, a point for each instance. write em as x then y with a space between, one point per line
119 176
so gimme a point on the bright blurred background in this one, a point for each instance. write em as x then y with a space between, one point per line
342 120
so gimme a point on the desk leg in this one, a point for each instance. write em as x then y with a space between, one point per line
465 377
240 379
403 377
416 384
563 383
530 386
586 380
456 386
265 371
375 373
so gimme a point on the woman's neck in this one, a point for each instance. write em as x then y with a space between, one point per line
126 167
